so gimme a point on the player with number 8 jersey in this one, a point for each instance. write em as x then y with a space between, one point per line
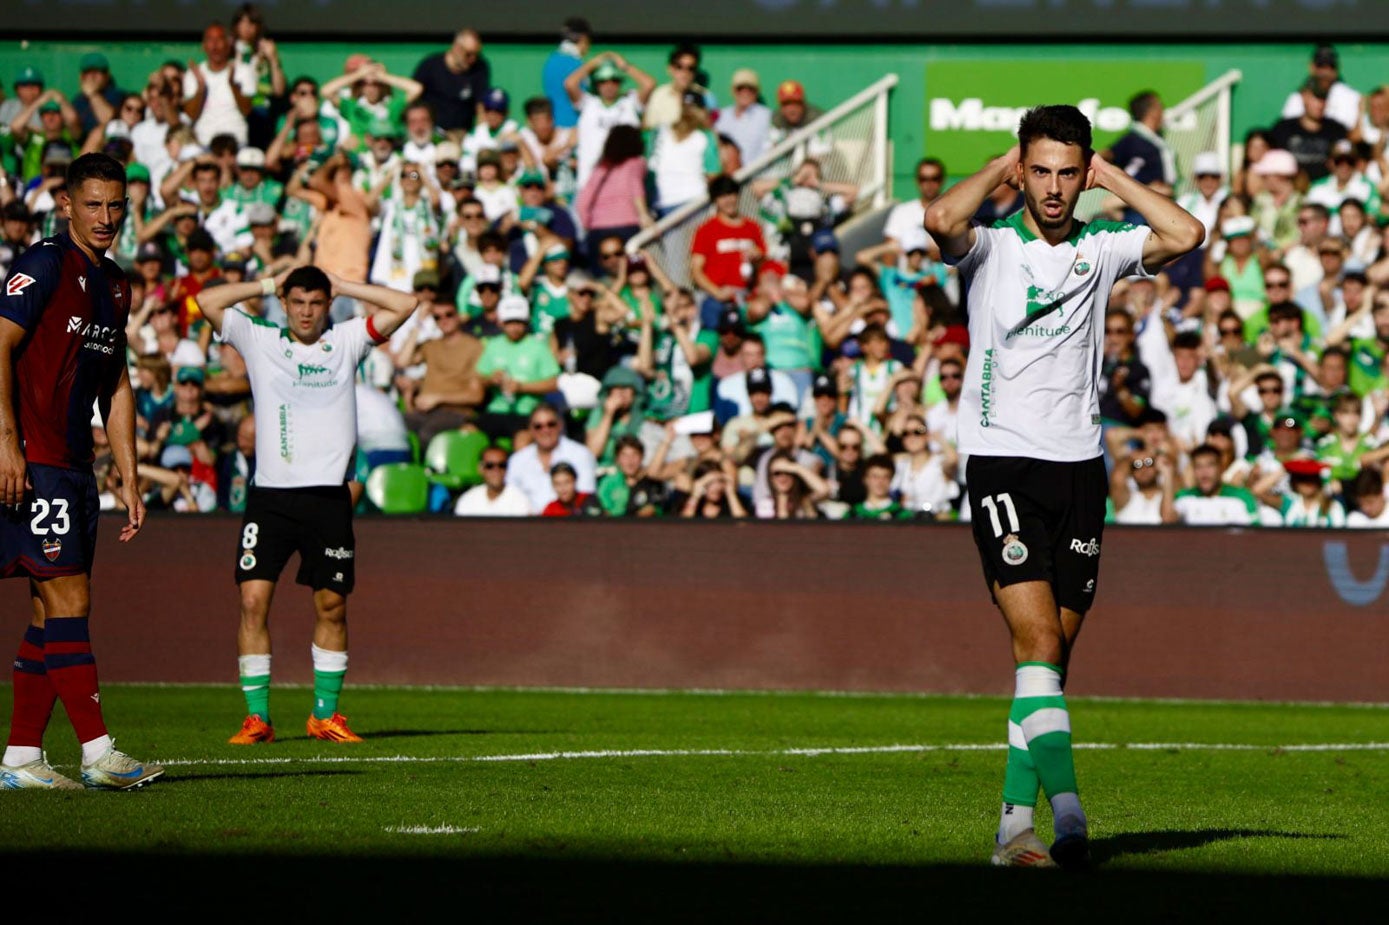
302 385
62 350
1038 286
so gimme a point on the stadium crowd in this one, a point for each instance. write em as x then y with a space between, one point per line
1245 384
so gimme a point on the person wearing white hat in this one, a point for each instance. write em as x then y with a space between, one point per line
1240 265
1346 181
1204 201
1275 209
519 369
748 121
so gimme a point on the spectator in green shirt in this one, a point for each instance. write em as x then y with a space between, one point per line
364 98
780 311
520 368
628 491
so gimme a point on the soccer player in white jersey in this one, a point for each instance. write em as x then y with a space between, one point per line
1029 421
302 382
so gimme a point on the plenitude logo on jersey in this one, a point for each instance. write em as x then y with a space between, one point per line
309 374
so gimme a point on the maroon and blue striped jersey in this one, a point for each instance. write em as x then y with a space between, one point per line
74 313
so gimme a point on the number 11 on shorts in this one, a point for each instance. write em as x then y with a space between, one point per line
992 503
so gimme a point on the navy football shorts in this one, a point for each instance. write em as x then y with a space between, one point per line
53 531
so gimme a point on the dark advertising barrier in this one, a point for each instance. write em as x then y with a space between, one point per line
1181 613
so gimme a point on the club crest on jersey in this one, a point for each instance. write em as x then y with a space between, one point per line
18 283
326 347
1014 551
1082 268
52 549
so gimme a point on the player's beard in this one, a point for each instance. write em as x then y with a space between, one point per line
1039 215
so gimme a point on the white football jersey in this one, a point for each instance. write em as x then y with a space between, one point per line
306 405
1036 328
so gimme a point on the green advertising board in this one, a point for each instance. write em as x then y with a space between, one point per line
973 107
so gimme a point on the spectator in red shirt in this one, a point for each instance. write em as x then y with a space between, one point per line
725 251
569 501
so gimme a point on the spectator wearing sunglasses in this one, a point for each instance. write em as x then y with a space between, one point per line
529 468
1142 486
494 497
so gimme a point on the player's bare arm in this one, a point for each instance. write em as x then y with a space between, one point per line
214 302
391 306
12 466
1175 230
948 218
119 419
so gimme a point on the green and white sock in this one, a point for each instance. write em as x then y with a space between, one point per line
1039 709
1020 783
255 684
329 670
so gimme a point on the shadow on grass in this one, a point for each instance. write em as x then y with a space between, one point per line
405 734
437 875
1127 843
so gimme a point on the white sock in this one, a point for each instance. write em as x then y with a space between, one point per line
253 666
328 660
17 755
1013 822
94 749
1070 818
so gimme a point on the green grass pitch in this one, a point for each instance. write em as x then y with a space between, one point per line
663 806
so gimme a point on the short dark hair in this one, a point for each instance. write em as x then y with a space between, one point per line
309 279
1119 313
931 162
1347 401
491 239
1187 340
1205 449
223 143
1369 482
564 468
1317 209
1267 375
16 211
204 167
538 104
1142 103
873 332
304 79
96 166
628 441
722 185
1151 415
1284 311
544 407
575 28
879 461
623 143
1337 351
1065 124
755 337
683 49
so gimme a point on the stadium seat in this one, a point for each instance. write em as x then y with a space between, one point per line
399 488
452 458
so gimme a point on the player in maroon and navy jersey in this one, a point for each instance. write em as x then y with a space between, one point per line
63 311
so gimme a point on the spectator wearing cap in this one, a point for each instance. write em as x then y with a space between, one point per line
190 419
793 114
748 121
492 273
667 103
270 251
621 413
57 130
779 312
217 92
606 107
371 99
782 437
1345 181
201 254
410 230
405 374
1142 152
140 210
252 185
544 281
1275 209
576 38
1211 502
492 129
99 99
684 154
16 234
493 498
1240 267
612 204
733 392
1342 102
28 86
728 357
1371 506
538 222
452 391
1204 200
1309 136
519 368
178 485
824 419
749 430
545 447
1306 500
149 267
725 251
445 171
455 82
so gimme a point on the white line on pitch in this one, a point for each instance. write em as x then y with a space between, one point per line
431 830
782 752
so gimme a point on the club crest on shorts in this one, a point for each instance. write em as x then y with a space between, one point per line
248 561
52 549
1014 550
